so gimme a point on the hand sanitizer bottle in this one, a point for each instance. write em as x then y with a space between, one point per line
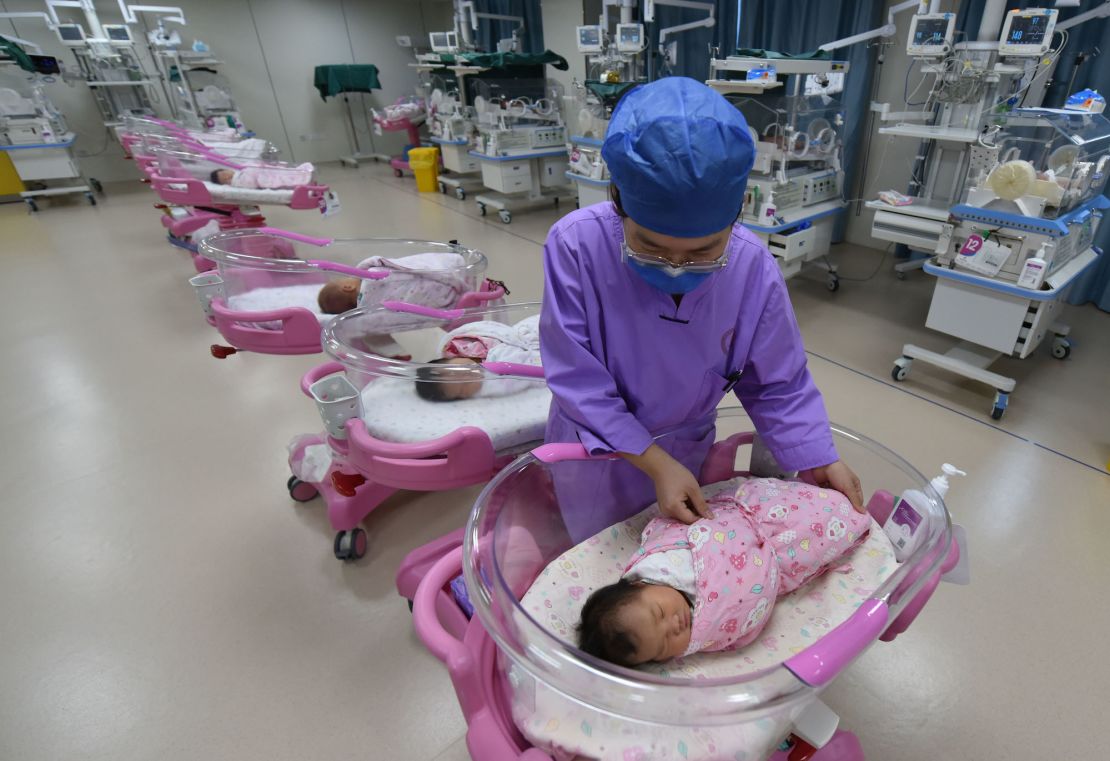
910 510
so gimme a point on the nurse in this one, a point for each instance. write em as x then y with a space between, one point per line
658 304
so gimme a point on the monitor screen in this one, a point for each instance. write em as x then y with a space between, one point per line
439 39
45 64
930 31
1027 30
630 34
71 32
118 33
589 35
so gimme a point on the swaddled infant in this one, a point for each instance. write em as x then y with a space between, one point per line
456 374
265 177
710 586
434 280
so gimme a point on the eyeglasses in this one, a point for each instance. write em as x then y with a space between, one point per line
670 267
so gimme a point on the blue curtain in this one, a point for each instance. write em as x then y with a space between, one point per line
1079 61
800 26
490 31
693 45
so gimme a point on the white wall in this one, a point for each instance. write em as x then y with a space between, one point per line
560 19
890 158
269 49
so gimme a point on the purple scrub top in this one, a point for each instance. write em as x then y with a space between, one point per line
622 359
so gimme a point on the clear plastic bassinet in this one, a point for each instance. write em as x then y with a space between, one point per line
517 527
390 422
402 343
267 282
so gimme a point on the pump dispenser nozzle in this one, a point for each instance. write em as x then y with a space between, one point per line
940 483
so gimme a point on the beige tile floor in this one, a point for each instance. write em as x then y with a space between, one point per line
161 597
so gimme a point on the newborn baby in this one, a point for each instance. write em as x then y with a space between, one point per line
264 177
471 344
339 295
710 586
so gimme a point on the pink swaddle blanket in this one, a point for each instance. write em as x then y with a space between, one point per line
765 541
271 177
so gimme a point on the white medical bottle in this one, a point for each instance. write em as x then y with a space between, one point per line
910 510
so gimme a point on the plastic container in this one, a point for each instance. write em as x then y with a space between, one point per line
517 527
207 286
337 401
425 165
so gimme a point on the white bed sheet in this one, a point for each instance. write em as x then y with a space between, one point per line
281 297
798 620
232 194
393 412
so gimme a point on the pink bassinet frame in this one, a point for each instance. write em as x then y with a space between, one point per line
470 654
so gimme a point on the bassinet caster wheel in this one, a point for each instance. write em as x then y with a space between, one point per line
31 205
506 216
222 352
1061 347
442 188
1001 402
300 491
460 193
398 173
901 368
833 283
90 198
481 209
350 545
96 186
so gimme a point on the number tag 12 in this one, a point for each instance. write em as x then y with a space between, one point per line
972 245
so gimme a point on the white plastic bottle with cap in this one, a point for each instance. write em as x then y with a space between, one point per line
910 510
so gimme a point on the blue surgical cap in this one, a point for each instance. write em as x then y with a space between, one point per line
680 155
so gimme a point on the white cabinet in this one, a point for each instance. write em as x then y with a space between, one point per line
507 176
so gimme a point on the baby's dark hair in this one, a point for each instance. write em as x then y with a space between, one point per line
599 632
430 383
214 178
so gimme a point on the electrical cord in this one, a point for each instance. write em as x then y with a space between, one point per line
878 267
100 151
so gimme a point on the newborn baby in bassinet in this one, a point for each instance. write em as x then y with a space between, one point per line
434 280
265 177
710 586
471 344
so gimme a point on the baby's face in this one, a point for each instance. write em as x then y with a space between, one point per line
225 176
659 622
461 385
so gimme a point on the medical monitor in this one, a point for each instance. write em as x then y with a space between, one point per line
590 39
630 38
45 64
71 35
118 34
443 42
1027 32
931 34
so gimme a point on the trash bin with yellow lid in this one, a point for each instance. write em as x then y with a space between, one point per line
425 165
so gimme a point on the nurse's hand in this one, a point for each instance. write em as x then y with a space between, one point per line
676 489
837 476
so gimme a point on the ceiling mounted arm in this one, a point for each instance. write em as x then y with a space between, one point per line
164 12
706 23
886 30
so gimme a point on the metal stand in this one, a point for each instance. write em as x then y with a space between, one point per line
352 161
